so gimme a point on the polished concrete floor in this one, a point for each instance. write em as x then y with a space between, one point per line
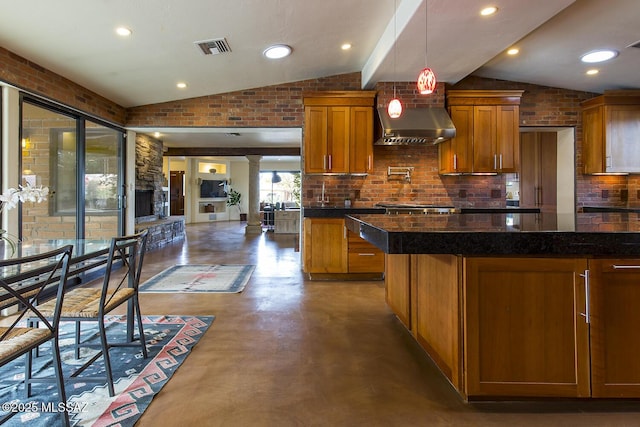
292 352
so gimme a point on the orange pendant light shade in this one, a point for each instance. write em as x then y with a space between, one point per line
426 81
395 108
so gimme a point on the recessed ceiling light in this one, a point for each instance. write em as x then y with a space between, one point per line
277 51
513 51
346 46
123 31
181 85
599 55
592 72
488 11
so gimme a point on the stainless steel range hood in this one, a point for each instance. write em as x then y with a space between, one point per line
429 125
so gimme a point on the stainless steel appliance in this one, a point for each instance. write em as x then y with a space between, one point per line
416 209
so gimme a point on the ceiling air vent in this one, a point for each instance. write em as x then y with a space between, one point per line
214 47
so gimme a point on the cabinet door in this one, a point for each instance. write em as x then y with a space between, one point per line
361 140
325 245
485 158
615 322
508 138
315 139
538 170
593 140
436 303
456 155
529 169
338 131
397 284
622 152
525 333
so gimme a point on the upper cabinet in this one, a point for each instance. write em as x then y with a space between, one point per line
610 133
338 132
487 132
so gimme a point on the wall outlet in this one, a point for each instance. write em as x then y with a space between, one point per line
496 194
624 195
462 194
605 194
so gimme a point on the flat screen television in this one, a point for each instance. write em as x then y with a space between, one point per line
210 188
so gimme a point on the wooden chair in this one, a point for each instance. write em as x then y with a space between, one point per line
22 282
92 304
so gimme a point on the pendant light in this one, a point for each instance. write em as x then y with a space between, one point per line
427 78
395 106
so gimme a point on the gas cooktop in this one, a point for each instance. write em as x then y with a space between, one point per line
416 209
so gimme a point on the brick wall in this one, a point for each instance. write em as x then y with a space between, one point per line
31 77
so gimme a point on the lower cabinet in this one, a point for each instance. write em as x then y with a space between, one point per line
330 248
525 332
524 327
615 325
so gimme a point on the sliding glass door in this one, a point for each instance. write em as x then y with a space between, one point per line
82 163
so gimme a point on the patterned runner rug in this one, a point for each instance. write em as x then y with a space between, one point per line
136 380
200 278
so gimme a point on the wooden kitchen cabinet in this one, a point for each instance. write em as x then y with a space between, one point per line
338 132
397 284
330 248
489 139
615 321
456 154
325 245
538 175
363 256
525 335
610 132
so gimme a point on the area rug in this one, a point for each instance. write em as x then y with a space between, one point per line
200 278
136 380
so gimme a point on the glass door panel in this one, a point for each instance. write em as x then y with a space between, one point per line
103 181
49 159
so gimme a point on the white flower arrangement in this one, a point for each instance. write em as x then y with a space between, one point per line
10 199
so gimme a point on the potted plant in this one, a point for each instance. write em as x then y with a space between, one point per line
234 199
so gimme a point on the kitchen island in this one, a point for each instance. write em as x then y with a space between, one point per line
518 305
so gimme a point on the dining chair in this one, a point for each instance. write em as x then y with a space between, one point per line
92 304
23 282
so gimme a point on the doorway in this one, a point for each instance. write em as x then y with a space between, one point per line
176 193
547 170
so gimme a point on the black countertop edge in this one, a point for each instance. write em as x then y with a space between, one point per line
338 212
500 210
587 209
531 243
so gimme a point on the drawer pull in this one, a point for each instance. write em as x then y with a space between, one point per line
587 298
366 254
625 267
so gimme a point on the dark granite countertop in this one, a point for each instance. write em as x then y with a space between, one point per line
338 212
589 209
584 234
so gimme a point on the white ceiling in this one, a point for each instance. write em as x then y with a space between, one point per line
76 39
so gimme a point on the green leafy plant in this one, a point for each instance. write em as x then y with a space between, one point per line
234 199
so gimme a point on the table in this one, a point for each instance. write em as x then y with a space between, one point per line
87 261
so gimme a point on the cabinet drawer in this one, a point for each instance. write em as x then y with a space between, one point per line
366 262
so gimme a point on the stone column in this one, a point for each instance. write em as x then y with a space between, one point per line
254 222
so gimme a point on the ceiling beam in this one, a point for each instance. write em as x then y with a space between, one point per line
231 151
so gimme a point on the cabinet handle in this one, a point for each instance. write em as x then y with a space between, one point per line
495 161
500 161
608 164
455 162
539 196
625 267
370 161
344 231
324 161
586 314
330 162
